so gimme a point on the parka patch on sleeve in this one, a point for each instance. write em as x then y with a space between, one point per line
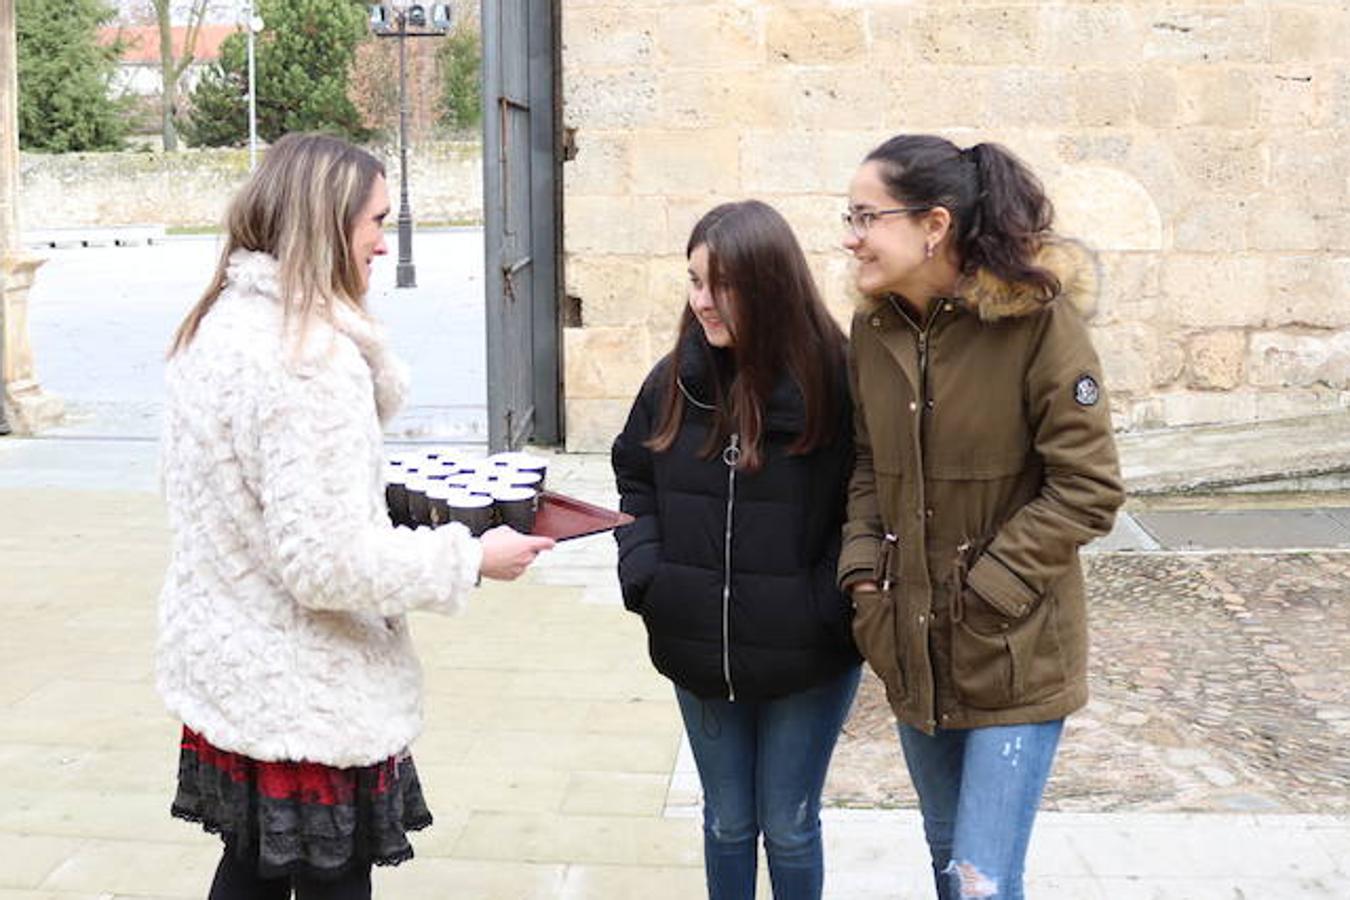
1086 391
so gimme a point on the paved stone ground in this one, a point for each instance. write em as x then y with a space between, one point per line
1219 683
553 750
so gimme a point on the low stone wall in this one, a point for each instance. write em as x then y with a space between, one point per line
192 188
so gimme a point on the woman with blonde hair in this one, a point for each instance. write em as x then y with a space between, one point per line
283 640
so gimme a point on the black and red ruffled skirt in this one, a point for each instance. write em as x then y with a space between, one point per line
299 818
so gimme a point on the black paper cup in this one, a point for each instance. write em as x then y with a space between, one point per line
516 506
473 511
419 513
396 494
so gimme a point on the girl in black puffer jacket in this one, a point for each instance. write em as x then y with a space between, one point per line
734 464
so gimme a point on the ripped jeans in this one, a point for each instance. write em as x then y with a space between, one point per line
762 766
979 790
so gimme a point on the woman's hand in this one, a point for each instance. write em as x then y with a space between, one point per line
507 553
864 587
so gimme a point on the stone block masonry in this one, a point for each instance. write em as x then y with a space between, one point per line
1203 149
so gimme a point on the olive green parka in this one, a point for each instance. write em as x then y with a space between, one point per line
985 459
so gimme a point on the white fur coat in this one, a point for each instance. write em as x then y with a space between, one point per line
282 632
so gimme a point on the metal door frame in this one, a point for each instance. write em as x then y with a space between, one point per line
543 262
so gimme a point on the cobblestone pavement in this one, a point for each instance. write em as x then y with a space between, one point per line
1219 683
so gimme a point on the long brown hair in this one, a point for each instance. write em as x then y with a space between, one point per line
1001 215
763 287
299 207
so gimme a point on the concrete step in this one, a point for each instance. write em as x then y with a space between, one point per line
1303 454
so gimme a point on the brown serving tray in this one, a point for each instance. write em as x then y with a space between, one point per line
562 517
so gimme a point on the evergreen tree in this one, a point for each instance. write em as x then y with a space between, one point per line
303 57
64 76
219 113
461 62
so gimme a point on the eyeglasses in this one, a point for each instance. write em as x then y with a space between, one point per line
859 221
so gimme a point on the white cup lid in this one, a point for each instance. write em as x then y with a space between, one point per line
438 490
511 494
518 459
460 499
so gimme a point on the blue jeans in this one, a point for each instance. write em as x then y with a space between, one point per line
762 765
979 790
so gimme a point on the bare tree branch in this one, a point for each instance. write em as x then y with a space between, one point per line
172 68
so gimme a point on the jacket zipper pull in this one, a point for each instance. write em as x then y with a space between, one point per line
888 546
959 588
731 454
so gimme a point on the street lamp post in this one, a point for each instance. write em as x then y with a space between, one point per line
254 24
407 275
403 15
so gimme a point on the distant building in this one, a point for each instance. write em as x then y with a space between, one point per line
142 12
139 71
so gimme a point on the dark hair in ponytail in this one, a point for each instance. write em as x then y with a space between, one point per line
1000 214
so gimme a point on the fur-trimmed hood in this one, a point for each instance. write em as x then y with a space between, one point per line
993 298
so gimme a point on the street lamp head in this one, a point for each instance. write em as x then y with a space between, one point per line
441 16
379 18
417 16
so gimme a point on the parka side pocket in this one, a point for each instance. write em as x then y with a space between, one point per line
982 662
874 625
874 633
1011 663
999 661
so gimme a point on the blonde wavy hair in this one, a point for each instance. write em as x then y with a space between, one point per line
299 207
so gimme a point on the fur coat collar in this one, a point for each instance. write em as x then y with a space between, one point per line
993 298
255 273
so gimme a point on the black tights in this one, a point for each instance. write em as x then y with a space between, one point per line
238 881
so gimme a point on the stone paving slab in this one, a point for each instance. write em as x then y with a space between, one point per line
1246 528
75 464
1341 515
1127 534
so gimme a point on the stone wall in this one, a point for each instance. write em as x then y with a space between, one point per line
1201 148
192 188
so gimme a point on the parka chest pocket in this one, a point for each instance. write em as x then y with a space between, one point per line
874 618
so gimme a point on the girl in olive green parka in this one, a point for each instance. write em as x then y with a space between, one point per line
985 459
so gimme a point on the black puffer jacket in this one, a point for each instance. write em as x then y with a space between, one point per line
783 626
